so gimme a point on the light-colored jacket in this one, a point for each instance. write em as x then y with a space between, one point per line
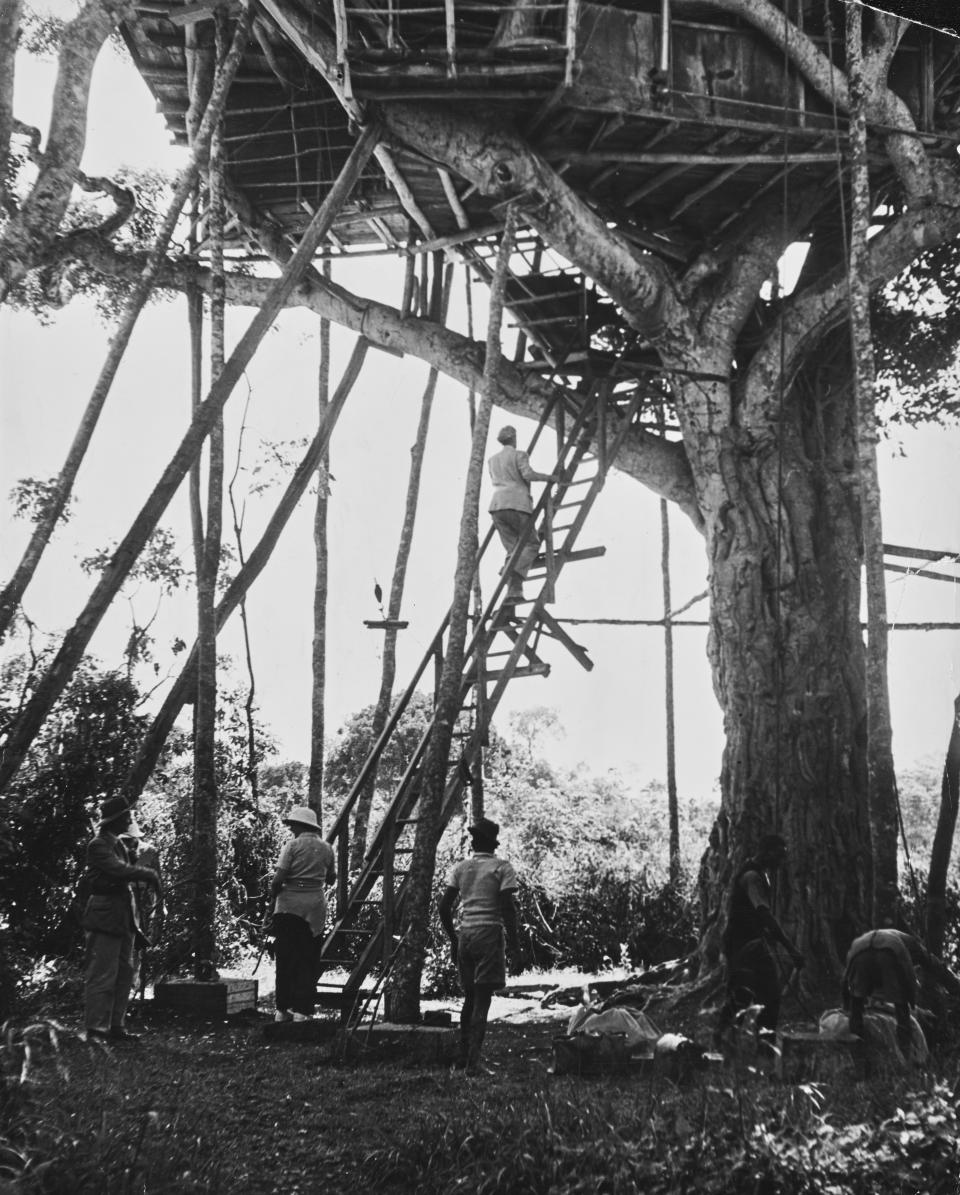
511 474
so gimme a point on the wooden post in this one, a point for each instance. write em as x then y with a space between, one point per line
549 590
342 35
451 38
389 911
602 432
573 15
343 870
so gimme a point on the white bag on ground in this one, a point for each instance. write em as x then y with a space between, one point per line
637 1029
882 1028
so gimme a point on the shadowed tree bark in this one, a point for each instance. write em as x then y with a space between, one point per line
881 782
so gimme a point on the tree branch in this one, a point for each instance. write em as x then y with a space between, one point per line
32 229
10 13
659 465
821 307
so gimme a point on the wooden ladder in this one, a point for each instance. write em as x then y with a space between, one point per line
504 646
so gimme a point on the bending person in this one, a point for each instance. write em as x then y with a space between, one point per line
305 867
881 963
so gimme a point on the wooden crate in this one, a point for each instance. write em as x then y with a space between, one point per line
219 998
805 1057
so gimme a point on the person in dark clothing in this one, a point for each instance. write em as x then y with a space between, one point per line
882 963
110 923
751 968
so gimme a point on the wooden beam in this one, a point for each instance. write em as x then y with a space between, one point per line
556 630
189 14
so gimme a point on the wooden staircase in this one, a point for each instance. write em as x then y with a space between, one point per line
505 645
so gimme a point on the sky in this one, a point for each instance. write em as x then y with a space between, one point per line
613 716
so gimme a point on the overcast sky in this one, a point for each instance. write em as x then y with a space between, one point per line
613 716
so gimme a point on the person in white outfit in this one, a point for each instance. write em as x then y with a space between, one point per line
304 869
511 506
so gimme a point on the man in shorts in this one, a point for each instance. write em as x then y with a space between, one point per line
484 885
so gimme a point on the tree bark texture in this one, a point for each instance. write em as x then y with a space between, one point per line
942 849
405 980
786 650
33 227
321 557
881 781
10 14
388 672
76 639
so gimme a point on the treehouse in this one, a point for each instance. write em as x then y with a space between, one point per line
674 151
672 122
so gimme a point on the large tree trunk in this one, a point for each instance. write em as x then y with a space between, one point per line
405 982
75 641
882 794
388 671
943 840
786 650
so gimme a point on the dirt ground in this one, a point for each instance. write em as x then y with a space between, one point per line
217 1106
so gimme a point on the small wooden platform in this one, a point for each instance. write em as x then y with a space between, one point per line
804 1057
219 998
428 1044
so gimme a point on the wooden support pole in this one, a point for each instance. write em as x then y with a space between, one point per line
451 24
573 18
549 589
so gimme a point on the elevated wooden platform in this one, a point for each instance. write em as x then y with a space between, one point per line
673 131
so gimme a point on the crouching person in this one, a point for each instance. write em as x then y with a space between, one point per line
881 963
484 885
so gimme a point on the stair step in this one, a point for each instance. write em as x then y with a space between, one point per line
533 670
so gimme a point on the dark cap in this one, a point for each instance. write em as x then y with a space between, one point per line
486 830
507 434
113 808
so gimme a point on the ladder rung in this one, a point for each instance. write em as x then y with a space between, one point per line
533 670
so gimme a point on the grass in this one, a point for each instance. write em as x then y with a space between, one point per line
211 1107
